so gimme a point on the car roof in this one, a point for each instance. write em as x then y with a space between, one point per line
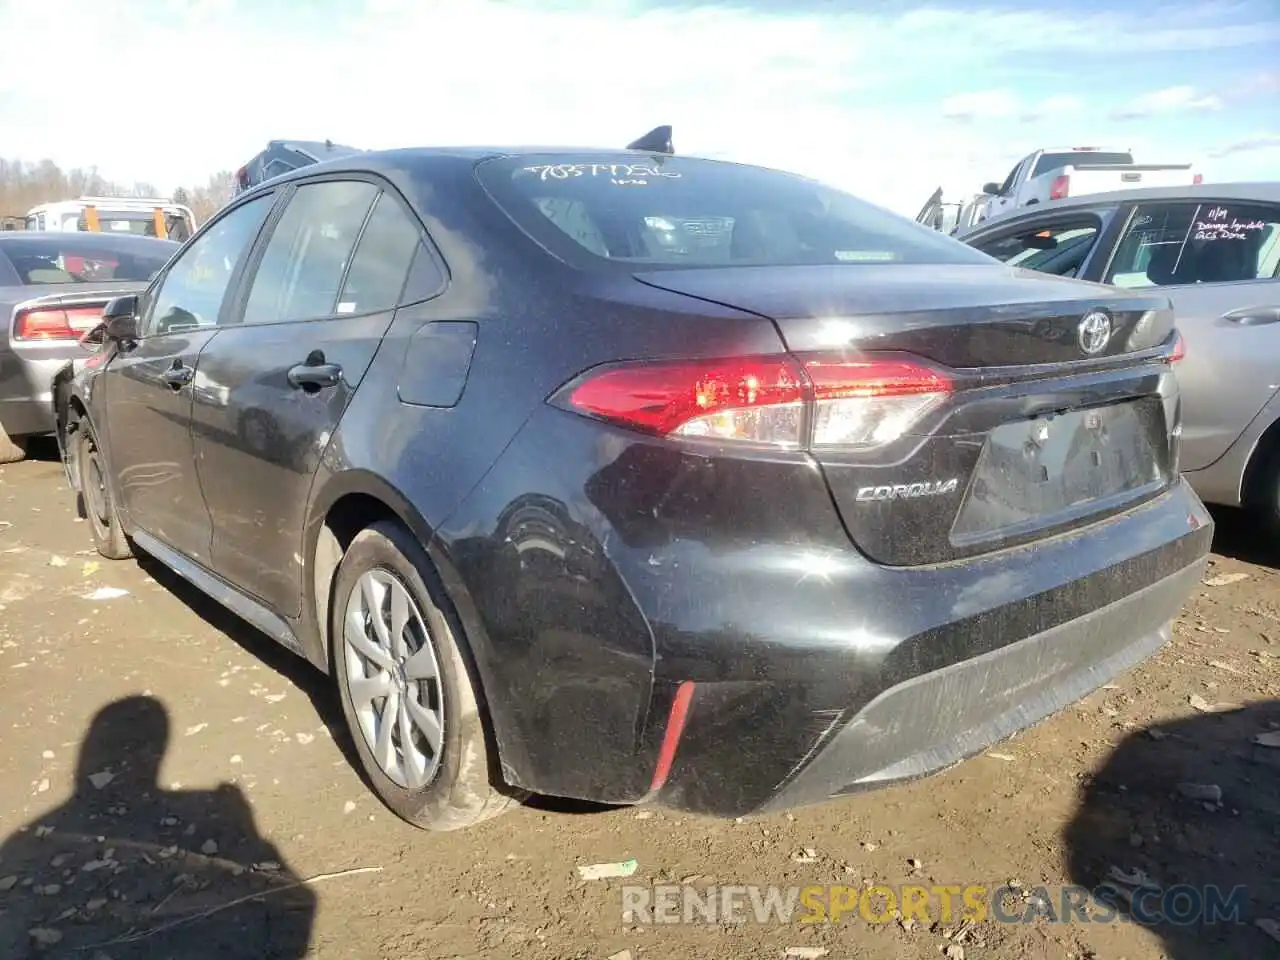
1267 191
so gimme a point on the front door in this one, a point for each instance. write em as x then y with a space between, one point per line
147 389
275 383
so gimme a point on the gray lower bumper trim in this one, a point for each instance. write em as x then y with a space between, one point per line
935 720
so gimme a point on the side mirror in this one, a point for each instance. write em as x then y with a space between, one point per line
991 189
121 307
122 329
120 319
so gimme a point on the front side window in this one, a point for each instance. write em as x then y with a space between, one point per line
307 256
1057 248
191 293
686 212
1185 242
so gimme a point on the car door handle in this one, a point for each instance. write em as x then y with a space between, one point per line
315 372
1253 316
179 375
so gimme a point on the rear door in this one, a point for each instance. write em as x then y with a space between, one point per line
273 386
146 389
1218 261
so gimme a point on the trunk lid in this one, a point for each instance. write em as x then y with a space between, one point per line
1052 420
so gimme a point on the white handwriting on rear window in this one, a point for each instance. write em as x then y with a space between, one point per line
615 171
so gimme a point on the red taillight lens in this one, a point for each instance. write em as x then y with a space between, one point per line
1060 188
1179 348
55 323
1198 179
786 401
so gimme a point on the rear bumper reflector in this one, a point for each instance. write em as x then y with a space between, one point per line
671 739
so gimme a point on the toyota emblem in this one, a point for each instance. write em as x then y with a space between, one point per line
1094 332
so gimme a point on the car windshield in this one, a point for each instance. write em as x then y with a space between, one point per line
686 212
1056 161
79 258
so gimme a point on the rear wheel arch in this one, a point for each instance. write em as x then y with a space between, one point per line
354 502
349 503
1262 462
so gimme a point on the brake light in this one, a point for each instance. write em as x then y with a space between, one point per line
809 400
1179 348
1061 186
1198 179
54 323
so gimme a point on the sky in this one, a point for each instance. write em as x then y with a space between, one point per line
887 101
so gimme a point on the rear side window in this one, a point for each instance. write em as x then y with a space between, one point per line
1184 242
381 260
685 212
307 255
74 258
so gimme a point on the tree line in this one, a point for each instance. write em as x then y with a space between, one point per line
24 185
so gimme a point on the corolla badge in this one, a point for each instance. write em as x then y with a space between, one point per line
1094 332
908 491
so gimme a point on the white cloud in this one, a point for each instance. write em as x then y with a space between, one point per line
802 91
1249 145
1182 99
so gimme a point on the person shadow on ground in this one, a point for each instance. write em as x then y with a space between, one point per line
128 869
1180 831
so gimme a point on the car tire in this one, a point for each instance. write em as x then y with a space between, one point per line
12 449
457 786
96 500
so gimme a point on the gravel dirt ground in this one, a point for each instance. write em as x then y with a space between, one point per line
177 786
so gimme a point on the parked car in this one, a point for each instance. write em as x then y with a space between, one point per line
53 287
1214 250
1055 174
812 504
282 156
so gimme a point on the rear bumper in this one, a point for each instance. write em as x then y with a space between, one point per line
915 670
937 719
26 388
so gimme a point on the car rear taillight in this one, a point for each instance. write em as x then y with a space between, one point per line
1198 179
1179 348
1060 188
811 400
55 323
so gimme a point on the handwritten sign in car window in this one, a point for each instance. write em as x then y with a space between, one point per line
1219 223
620 174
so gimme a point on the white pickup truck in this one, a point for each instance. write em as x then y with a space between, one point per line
1056 174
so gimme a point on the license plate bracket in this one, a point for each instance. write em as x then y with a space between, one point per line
1052 469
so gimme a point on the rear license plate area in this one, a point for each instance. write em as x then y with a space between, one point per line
1052 470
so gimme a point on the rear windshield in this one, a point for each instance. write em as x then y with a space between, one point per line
46 258
1056 161
685 212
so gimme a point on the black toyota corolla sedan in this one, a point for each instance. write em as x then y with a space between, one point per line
628 477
